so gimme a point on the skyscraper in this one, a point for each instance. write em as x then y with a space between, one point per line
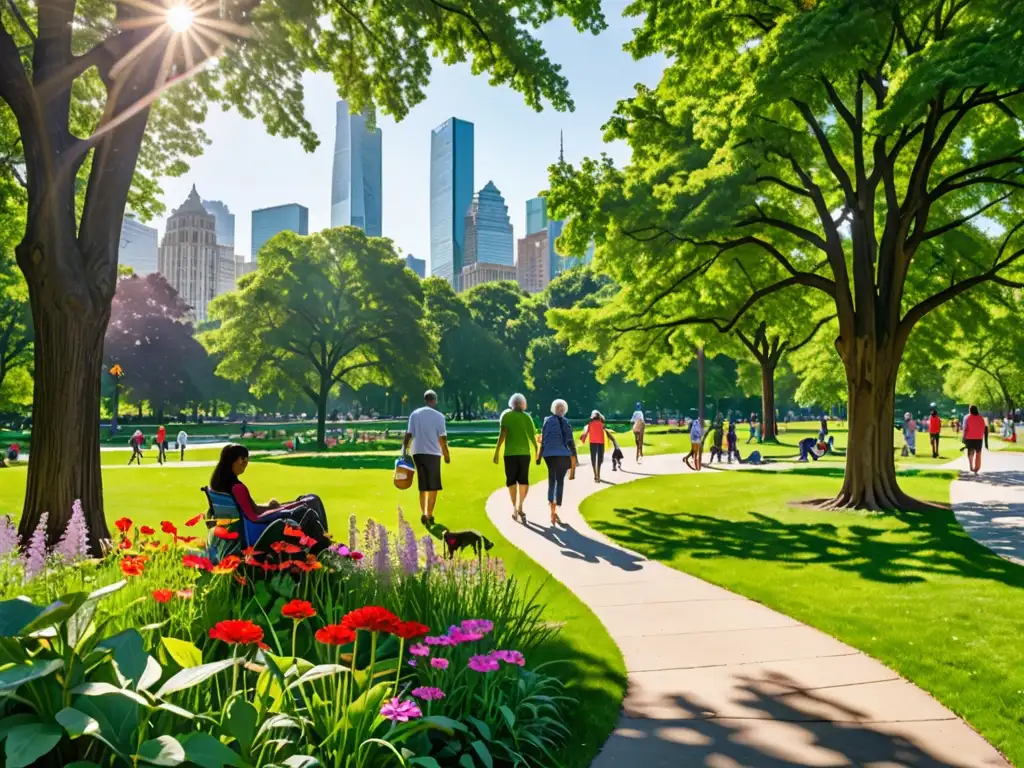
267 222
419 266
356 181
188 256
488 236
225 221
451 192
138 246
533 270
536 214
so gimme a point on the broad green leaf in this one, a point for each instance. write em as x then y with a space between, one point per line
28 743
319 671
106 689
14 677
483 753
76 722
163 750
482 728
129 654
446 724
466 761
241 723
175 710
207 752
509 716
424 762
15 615
56 612
152 674
301 761
184 653
193 676
13 721
277 721
110 589
82 764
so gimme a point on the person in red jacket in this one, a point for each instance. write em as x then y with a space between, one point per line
934 428
975 432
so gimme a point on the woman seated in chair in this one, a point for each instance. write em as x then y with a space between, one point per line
306 511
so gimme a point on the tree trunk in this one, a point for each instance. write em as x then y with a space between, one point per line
64 465
700 384
870 479
768 402
321 417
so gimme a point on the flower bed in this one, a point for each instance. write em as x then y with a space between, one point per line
160 654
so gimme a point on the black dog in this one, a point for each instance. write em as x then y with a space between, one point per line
456 540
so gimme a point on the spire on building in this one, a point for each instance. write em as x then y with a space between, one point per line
561 147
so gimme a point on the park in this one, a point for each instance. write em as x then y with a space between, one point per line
761 443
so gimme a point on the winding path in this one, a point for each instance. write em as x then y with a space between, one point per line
721 681
990 506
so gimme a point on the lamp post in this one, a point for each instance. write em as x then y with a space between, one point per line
115 373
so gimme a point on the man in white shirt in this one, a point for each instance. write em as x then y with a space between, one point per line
182 443
639 425
429 440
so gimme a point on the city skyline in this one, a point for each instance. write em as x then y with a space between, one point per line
356 181
267 222
249 170
452 173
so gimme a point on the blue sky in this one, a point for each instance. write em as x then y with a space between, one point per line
248 169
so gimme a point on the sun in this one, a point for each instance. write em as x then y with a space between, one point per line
180 17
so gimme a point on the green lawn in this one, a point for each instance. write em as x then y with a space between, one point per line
151 495
912 590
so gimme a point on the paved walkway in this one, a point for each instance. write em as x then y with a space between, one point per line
721 681
990 506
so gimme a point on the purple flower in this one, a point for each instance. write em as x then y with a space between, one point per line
382 557
427 542
439 663
442 640
419 649
353 532
35 558
510 657
457 636
477 626
428 694
411 662
408 554
74 544
398 711
9 538
370 537
483 664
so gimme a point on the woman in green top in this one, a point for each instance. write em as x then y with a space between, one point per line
520 440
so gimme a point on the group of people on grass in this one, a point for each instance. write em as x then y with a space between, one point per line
137 440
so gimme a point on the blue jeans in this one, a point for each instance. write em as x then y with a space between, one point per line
558 466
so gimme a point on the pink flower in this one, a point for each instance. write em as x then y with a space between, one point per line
428 694
510 657
185 594
398 711
419 649
483 664
442 640
457 636
411 662
477 626
439 663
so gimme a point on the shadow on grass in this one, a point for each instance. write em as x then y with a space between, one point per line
331 461
819 729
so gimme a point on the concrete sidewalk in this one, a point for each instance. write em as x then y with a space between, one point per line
990 506
721 681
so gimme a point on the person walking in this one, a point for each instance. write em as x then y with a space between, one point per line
753 428
934 429
520 440
429 438
161 444
595 432
558 449
975 433
639 427
696 445
245 427
182 443
730 442
135 441
716 440
910 433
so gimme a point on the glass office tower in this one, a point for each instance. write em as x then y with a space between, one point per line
356 180
536 215
267 222
451 193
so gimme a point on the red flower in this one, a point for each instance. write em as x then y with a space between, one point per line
223 533
194 520
307 541
295 533
372 618
185 539
284 546
239 631
335 634
298 610
163 595
195 561
228 564
407 630
133 566
124 524
240 579
251 552
126 543
146 530
168 527
356 555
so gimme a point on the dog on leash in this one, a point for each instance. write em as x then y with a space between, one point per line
458 540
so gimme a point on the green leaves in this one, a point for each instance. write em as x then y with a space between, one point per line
184 653
188 678
163 750
207 752
27 743
14 677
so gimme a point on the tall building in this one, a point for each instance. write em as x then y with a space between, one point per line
480 272
419 266
488 236
226 273
451 193
536 215
225 221
356 180
533 271
267 222
138 246
188 256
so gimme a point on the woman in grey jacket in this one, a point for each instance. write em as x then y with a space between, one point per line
558 449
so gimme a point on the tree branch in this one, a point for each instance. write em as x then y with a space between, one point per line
814 332
960 221
826 149
784 184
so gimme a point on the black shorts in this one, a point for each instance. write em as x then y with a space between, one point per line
517 470
973 445
428 471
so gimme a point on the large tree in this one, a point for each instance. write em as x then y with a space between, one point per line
107 96
870 150
330 309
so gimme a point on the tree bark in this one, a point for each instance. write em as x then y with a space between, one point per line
700 384
321 416
768 367
65 461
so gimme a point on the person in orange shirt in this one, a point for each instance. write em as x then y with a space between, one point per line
975 432
595 431
934 428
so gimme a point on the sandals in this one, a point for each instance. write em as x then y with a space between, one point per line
556 520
